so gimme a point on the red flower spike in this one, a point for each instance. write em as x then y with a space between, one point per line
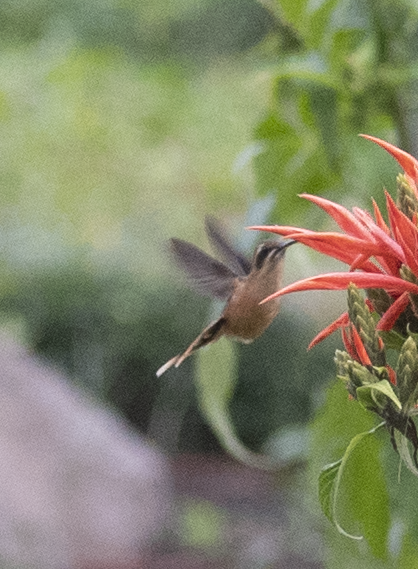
391 315
373 249
354 345
407 162
341 322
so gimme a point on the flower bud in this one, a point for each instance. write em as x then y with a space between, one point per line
409 276
380 299
406 201
362 319
352 373
407 374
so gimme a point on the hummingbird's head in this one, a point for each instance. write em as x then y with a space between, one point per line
269 253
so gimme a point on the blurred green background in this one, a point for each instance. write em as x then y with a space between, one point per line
124 123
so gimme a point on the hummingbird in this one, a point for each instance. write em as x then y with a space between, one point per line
241 282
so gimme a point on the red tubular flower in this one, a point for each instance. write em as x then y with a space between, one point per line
355 346
392 314
392 374
408 163
341 322
374 251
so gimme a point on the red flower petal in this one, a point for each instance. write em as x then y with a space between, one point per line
343 242
392 314
343 247
358 262
381 237
283 230
407 162
401 224
369 305
363 356
392 374
340 281
339 323
379 218
342 216
349 343
410 256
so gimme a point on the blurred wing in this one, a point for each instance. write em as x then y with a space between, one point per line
238 263
205 274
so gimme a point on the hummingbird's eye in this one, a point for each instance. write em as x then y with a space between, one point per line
262 254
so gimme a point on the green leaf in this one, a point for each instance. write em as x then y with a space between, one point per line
404 451
216 373
393 340
409 552
330 480
319 22
368 395
292 160
363 500
294 12
324 107
309 69
414 335
326 488
215 379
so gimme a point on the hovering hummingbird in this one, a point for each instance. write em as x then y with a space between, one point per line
243 284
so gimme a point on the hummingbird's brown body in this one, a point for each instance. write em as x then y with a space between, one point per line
244 317
243 284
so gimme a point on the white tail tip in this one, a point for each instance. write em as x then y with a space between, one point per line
166 366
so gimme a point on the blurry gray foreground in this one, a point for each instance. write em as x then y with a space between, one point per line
77 488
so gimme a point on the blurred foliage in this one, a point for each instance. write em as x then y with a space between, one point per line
349 69
110 331
113 137
97 149
203 525
146 30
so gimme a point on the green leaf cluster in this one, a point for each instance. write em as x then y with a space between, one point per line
394 404
352 490
349 69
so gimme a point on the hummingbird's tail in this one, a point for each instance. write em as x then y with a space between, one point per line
209 335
